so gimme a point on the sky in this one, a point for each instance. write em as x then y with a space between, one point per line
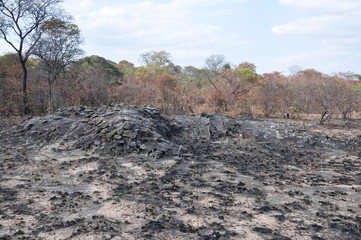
273 34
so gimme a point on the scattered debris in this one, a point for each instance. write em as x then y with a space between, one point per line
122 172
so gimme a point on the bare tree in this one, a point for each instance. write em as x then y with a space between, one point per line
216 63
294 70
21 24
57 48
215 66
158 59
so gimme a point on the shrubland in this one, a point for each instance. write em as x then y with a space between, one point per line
218 87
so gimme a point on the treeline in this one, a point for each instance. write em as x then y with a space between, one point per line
236 90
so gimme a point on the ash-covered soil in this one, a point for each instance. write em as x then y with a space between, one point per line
126 173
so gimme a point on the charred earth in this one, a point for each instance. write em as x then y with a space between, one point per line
120 172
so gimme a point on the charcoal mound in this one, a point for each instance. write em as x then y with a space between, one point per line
108 130
113 130
118 129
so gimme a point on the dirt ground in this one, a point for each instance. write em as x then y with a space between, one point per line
265 180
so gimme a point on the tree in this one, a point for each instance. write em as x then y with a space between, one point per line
214 66
247 75
57 48
10 87
294 70
271 92
216 63
159 63
247 65
193 75
322 92
105 68
84 86
153 58
124 64
21 24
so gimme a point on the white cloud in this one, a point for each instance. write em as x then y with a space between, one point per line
291 59
323 17
329 30
324 24
307 60
182 25
323 5
329 59
80 6
344 42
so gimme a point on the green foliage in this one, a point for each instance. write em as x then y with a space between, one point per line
158 63
357 88
108 68
247 65
59 45
248 75
193 75
9 59
141 72
12 60
227 66
127 72
156 59
159 70
10 64
148 73
295 109
57 27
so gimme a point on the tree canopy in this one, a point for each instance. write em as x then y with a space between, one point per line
108 69
21 26
57 48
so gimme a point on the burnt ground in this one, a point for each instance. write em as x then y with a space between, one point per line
119 173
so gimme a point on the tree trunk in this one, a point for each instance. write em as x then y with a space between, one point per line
346 114
42 101
322 119
50 99
25 90
325 116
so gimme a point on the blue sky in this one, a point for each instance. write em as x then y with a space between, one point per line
272 34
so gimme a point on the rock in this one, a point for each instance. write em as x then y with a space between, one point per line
262 230
153 226
151 111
